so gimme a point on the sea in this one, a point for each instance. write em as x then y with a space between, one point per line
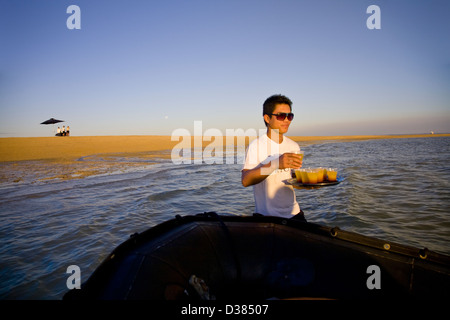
393 189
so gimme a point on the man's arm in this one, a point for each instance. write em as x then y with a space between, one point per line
253 176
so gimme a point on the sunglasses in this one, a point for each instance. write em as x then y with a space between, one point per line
282 115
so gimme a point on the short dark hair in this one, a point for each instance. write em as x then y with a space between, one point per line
270 104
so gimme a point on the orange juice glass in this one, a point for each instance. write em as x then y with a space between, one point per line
312 176
332 174
298 175
320 175
304 175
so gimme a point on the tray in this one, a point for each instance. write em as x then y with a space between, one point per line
293 182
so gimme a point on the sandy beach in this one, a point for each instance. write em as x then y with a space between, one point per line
72 148
46 158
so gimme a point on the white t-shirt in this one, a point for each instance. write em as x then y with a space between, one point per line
272 196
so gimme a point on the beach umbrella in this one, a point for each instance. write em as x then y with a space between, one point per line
52 121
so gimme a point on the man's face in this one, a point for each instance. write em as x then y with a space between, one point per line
272 121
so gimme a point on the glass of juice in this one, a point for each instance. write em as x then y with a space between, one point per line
300 153
332 174
312 176
304 175
320 174
298 175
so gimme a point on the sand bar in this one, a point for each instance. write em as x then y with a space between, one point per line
65 158
72 148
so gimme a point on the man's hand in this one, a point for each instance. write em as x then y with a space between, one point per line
290 160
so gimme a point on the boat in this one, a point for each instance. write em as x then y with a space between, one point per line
218 257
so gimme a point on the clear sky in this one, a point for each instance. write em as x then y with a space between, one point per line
149 67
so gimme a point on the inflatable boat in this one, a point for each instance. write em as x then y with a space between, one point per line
219 257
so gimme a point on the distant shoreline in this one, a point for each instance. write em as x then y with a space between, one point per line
73 147
321 139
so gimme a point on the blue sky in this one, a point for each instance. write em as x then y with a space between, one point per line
149 67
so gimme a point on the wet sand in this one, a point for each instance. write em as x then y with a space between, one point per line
48 158
63 158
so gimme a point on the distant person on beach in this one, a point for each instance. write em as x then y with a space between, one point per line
68 131
269 160
58 131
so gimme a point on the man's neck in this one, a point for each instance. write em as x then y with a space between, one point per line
275 135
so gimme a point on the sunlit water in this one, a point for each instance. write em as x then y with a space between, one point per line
394 189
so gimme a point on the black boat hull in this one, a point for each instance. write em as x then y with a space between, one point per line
262 258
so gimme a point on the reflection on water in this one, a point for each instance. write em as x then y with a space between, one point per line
396 189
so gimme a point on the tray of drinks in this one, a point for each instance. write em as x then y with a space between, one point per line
314 177
295 183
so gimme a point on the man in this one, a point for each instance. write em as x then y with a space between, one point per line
269 160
